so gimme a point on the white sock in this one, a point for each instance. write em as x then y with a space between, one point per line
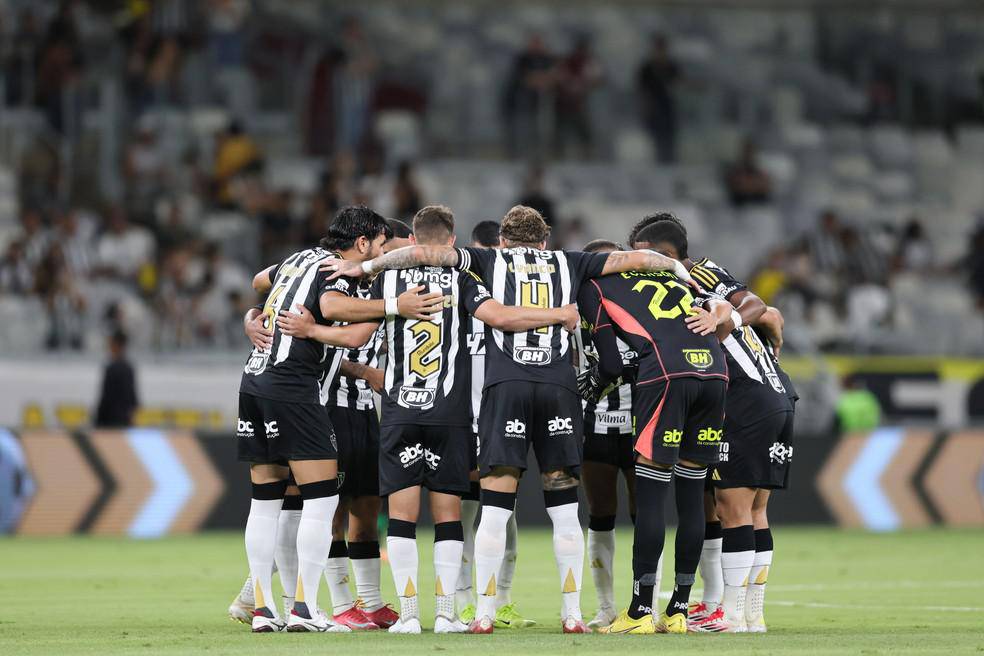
285 555
463 587
568 543
246 593
261 542
710 572
367 572
657 583
447 563
758 577
313 544
601 556
490 549
337 578
503 587
736 566
403 560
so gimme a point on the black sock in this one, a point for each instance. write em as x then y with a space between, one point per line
689 487
652 488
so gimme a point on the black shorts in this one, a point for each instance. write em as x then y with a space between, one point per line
758 455
473 452
273 432
679 419
435 457
516 414
357 432
604 449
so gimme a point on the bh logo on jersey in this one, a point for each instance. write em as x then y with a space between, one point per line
535 355
516 429
560 426
272 430
257 362
244 429
416 397
709 436
698 358
780 453
672 437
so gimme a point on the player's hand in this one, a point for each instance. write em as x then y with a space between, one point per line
296 324
339 267
701 322
259 334
589 384
771 323
375 379
411 304
571 317
680 271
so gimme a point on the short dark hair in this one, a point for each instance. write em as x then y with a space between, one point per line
400 229
524 226
596 245
352 222
650 219
433 223
666 231
486 233
119 338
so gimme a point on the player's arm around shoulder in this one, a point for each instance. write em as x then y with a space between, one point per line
400 258
263 280
645 260
713 316
301 324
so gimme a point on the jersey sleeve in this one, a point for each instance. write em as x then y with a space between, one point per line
473 291
376 288
717 279
585 265
477 260
602 334
343 285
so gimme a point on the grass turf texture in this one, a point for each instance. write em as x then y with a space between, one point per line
830 591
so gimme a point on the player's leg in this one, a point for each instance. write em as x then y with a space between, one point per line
600 481
363 548
448 546
759 576
470 505
285 556
710 560
734 506
268 485
401 544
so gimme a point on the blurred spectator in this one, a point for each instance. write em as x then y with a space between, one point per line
863 260
530 81
236 153
655 79
118 398
534 195
826 247
145 168
75 243
138 36
123 249
406 194
16 275
63 301
227 44
747 182
914 251
353 85
577 75
19 56
59 70
974 263
163 72
35 237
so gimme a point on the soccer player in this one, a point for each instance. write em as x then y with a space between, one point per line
678 405
530 396
756 451
507 616
608 442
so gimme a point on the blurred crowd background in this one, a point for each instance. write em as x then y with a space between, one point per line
153 154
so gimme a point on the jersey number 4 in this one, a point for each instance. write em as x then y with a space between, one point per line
535 295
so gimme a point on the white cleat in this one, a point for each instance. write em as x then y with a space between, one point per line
444 625
756 625
263 624
288 605
410 625
241 611
604 617
320 623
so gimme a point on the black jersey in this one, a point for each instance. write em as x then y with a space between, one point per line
428 364
476 348
354 393
612 415
528 277
648 311
756 389
291 369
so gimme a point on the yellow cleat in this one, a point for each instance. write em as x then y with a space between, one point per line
675 623
626 625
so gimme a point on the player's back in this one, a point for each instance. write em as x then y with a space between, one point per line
291 368
648 311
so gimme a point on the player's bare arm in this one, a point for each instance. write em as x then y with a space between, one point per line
771 322
301 324
749 306
254 324
261 281
519 319
706 320
401 258
411 304
373 376
645 260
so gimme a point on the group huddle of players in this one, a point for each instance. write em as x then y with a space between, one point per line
642 361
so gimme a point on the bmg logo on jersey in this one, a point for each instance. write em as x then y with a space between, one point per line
560 426
698 358
536 355
672 437
244 429
708 435
416 397
516 429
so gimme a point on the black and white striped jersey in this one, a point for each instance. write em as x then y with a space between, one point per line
292 368
528 277
355 393
612 415
428 363
756 389
476 348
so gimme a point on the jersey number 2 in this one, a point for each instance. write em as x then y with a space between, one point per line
659 295
427 337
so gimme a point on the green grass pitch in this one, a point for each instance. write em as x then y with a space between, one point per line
830 592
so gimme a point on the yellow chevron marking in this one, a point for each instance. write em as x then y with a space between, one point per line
299 597
570 585
763 576
490 588
259 600
438 588
409 590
